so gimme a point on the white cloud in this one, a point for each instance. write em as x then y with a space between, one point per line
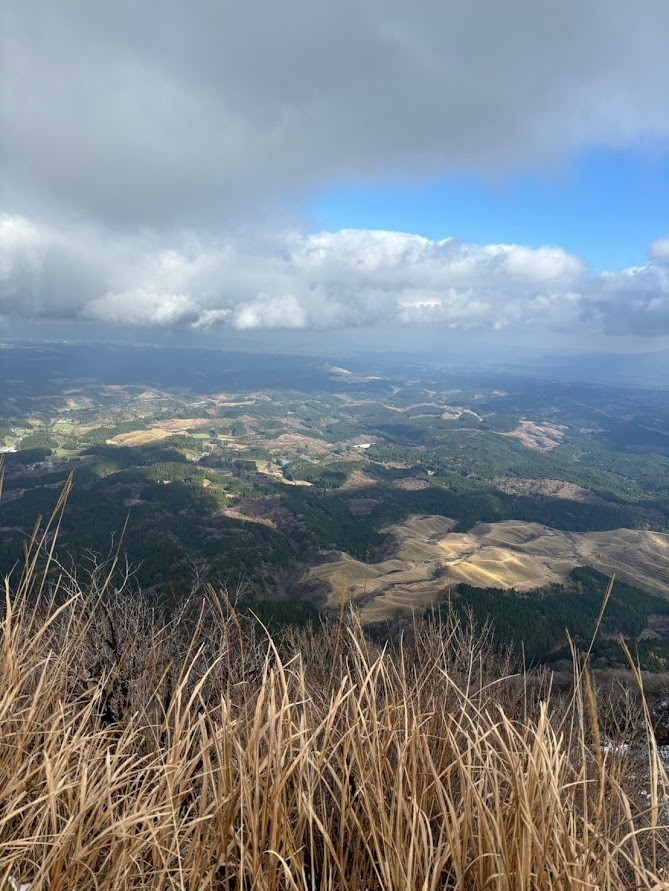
659 249
323 281
635 300
141 307
283 311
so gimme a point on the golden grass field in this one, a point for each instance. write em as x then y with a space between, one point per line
510 554
165 429
198 756
194 752
140 437
542 436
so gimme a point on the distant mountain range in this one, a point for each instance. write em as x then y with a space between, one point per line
638 369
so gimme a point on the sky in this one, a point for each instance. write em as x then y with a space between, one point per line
489 172
606 205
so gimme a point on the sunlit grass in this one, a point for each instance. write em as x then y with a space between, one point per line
194 753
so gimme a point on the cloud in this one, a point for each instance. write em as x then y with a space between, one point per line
137 137
323 281
136 114
659 249
633 301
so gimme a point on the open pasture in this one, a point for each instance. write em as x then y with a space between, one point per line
430 558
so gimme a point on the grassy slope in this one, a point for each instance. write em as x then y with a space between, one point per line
197 754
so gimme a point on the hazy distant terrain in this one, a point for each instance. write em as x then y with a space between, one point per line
382 479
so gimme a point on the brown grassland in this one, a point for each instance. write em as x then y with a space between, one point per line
508 554
139 751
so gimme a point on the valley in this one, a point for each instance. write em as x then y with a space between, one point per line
382 480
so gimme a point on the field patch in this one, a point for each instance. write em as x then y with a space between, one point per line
182 425
291 442
140 437
429 559
234 514
548 489
167 428
542 437
411 484
276 474
455 412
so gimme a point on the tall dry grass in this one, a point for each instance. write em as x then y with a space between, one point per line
195 753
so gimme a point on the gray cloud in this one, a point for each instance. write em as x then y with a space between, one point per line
633 301
322 281
172 113
137 137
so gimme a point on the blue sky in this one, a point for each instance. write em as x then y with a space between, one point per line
604 206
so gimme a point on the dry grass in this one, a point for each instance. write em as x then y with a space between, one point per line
140 437
507 554
543 437
194 753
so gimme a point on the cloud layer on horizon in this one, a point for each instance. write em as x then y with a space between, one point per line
328 280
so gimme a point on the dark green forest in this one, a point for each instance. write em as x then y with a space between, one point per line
536 623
